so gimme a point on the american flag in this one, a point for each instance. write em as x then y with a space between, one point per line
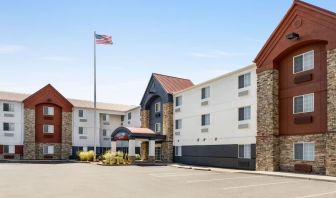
103 39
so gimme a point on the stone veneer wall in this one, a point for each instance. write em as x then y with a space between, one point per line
29 134
66 135
267 147
167 125
144 118
331 106
144 150
287 161
57 151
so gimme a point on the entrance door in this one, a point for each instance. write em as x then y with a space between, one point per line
158 154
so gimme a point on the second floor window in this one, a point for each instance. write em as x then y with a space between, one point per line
129 116
244 80
244 113
178 124
8 107
48 111
178 101
303 62
48 128
303 103
205 119
205 92
8 126
158 127
158 107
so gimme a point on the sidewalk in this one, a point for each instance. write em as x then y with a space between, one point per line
277 174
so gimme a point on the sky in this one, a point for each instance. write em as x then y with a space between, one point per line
45 41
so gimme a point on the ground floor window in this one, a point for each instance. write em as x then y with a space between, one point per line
48 149
158 154
304 151
244 151
9 149
178 150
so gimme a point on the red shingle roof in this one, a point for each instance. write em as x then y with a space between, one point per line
173 84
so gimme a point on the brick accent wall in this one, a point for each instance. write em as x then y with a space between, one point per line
167 145
66 135
144 118
29 134
331 106
267 147
287 161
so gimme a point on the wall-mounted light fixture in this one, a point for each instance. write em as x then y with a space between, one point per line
293 36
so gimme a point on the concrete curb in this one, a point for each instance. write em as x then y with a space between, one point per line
275 174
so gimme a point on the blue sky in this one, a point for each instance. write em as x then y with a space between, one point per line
52 42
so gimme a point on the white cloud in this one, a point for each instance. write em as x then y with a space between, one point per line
215 54
10 49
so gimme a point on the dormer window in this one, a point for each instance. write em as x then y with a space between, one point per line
303 62
48 111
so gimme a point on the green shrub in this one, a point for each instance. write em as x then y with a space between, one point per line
109 158
137 157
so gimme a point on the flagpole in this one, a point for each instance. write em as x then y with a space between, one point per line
94 100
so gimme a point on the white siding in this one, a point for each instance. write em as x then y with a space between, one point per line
223 105
17 119
135 118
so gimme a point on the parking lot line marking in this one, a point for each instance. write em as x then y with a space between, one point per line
258 185
318 195
180 174
220 179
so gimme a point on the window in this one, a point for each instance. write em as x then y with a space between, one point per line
158 127
48 150
106 117
9 149
8 107
244 80
244 113
205 119
129 116
122 118
303 104
178 124
49 111
158 154
178 101
205 92
304 151
48 128
85 148
81 113
104 132
303 62
244 151
8 126
178 150
158 107
80 130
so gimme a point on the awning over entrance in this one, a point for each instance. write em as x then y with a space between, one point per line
127 133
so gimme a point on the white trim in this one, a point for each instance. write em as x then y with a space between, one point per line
303 63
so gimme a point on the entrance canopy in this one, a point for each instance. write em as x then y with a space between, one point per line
127 133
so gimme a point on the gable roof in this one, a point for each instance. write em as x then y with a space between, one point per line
14 97
101 105
290 15
172 84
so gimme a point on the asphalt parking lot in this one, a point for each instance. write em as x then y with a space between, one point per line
88 181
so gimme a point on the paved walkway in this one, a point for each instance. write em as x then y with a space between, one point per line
278 174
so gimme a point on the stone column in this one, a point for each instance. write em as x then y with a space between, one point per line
131 151
113 146
29 150
331 108
151 151
167 145
267 147
144 150
144 118
66 135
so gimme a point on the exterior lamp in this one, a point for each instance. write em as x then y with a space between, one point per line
293 36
